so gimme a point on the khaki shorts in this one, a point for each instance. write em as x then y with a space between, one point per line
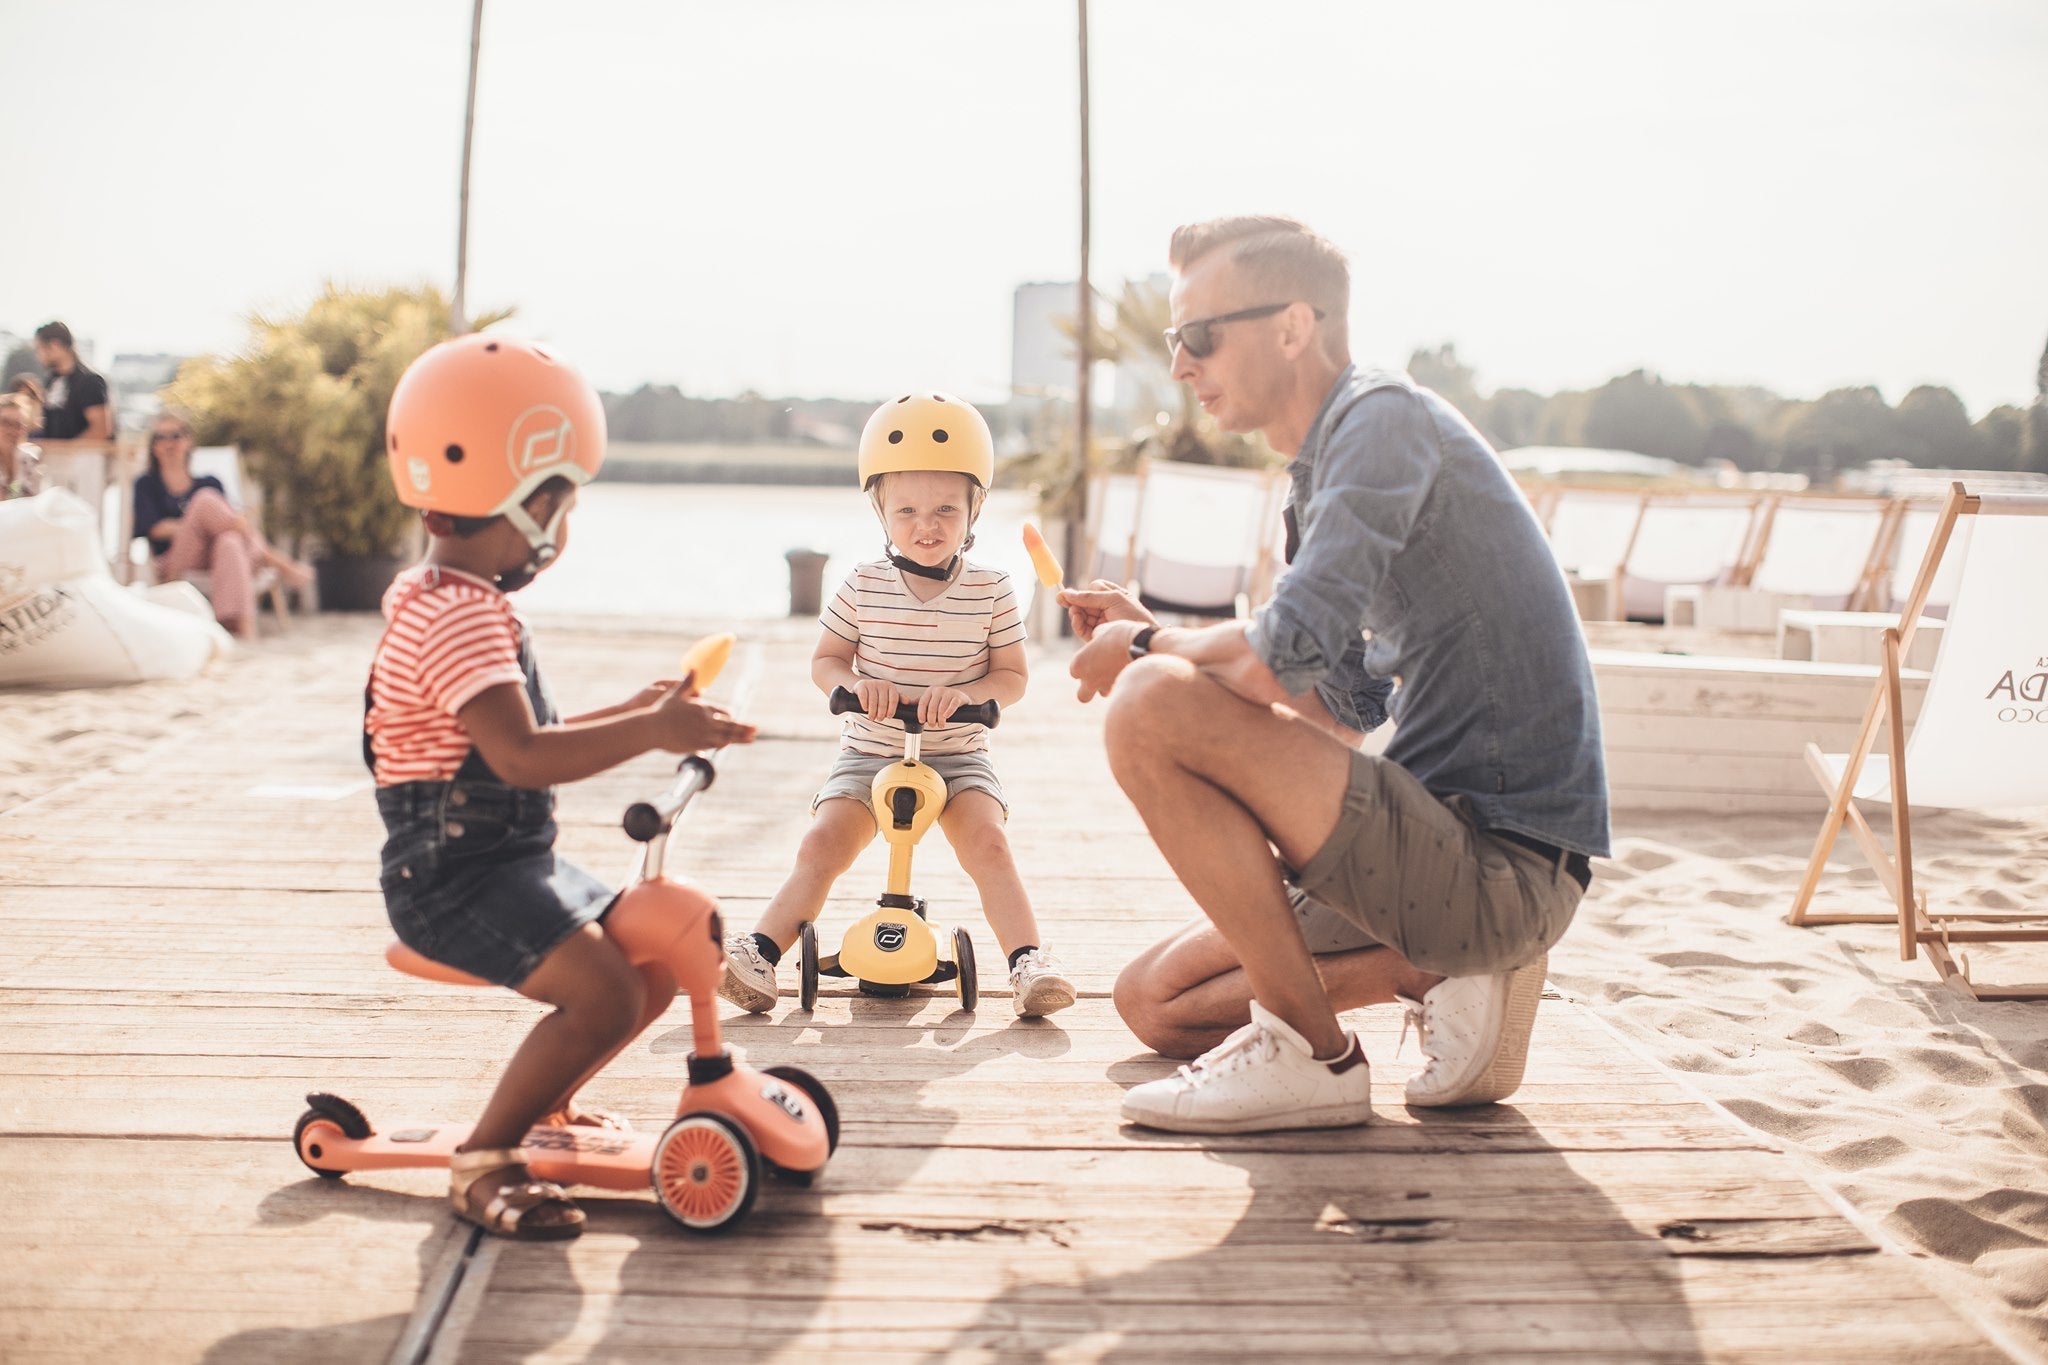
1413 873
853 776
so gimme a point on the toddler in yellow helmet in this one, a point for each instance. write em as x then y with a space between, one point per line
920 624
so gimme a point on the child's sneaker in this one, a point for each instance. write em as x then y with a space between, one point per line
749 977
1038 986
1262 1077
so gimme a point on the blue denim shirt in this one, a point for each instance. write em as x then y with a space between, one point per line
1420 560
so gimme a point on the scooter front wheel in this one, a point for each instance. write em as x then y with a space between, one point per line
706 1172
807 936
963 958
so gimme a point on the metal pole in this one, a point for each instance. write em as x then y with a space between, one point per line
1084 329
458 323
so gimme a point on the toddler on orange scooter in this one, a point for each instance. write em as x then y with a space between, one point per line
490 439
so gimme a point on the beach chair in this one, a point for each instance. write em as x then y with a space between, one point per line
1110 528
1590 530
1205 537
1805 554
1980 740
1682 540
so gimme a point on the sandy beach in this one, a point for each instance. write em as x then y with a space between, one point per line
1921 1111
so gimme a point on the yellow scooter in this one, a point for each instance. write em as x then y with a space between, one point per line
895 947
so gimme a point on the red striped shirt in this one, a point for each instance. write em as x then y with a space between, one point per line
448 636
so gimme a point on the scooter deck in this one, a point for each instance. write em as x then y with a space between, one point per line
602 1157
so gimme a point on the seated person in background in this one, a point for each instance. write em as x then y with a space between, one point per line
21 470
192 527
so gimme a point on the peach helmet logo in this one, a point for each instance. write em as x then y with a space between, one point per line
542 438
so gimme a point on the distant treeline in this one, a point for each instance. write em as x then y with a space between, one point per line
1752 428
661 412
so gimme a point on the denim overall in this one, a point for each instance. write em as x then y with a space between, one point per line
470 875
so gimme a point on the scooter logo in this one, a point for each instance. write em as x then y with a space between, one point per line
542 438
889 937
783 1100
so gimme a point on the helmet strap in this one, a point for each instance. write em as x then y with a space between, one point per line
977 496
909 565
541 547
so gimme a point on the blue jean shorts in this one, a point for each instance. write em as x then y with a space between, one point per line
853 776
471 879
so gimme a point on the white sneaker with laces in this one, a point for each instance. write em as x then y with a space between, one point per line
749 977
1038 985
1475 1035
1262 1077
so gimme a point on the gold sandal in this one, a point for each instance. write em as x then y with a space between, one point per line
509 1210
586 1118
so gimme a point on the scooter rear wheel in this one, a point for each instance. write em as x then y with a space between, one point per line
327 1117
807 936
706 1172
963 957
819 1095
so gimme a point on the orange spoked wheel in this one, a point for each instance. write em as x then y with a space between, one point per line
706 1172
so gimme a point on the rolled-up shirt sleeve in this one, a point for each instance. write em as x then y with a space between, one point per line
1371 480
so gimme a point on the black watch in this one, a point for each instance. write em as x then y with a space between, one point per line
1141 643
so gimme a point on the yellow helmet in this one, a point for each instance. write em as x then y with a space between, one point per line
927 431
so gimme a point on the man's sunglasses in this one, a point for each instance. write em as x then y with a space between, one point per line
1198 338
169 435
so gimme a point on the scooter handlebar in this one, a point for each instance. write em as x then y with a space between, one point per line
647 821
981 713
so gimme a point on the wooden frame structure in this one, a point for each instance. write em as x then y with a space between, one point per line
1937 932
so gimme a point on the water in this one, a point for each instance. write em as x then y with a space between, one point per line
714 552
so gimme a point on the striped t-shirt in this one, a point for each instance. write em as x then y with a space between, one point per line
449 635
917 645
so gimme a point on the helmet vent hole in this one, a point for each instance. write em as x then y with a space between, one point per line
940 435
490 345
904 399
895 438
938 398
454 454
394 442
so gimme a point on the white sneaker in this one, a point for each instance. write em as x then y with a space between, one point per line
1262 1077
749 977
1038 985
1475 1034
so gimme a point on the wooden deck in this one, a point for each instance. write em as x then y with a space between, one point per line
190 943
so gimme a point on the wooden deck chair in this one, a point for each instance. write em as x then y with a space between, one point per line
1980 740
1819 548
1109 529
1681 540
1204 536
1590 530
1912 531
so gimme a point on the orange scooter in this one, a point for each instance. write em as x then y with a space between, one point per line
733 1124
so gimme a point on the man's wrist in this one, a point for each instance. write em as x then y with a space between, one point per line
1141 641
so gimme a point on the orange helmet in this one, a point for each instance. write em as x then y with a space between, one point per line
480 421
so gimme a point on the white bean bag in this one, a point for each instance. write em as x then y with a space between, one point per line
64 622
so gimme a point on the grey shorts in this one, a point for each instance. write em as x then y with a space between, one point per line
1414 873
853 776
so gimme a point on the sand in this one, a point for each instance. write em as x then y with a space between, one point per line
1924 1112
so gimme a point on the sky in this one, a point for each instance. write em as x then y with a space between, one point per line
837 197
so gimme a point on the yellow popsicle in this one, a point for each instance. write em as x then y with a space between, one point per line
1041 557
707 659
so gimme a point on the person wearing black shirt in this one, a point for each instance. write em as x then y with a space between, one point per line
75 400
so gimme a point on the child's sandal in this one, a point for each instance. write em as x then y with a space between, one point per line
528 1210
586 1118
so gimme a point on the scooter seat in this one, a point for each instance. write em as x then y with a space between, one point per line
420 965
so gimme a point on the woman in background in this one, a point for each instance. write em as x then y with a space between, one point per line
192 526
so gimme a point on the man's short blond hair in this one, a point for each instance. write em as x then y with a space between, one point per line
1284 261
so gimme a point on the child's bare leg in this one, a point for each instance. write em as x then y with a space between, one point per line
841 829
658 992
598 999
973 822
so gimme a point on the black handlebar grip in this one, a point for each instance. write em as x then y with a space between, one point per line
648 820
980 713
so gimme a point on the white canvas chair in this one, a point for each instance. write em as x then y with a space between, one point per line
1980 740
1110 528
1590 530
1912 530
225 463
1681 540
1205 537
1823 549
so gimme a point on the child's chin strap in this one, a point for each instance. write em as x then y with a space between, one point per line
540 539
909 565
